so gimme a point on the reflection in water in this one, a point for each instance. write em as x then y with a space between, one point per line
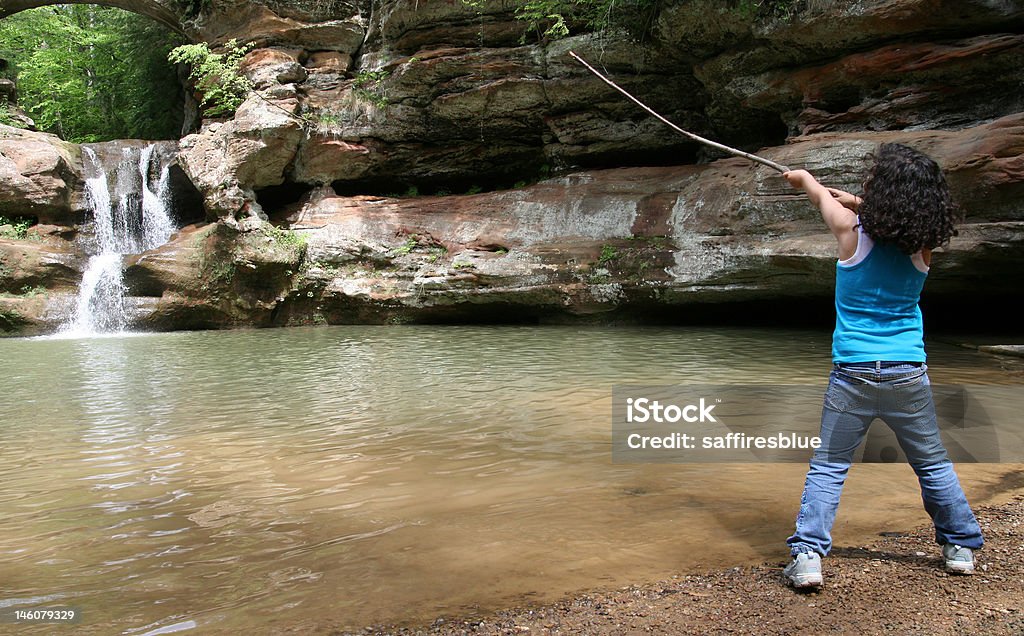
320 479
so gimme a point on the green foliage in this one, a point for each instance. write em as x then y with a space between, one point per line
10 319
327 120
367 86
220 271
285 238
216 75
779 9
27 291
7 119
409 245
16 228
89 73
436 253
367 78
554 19
608 253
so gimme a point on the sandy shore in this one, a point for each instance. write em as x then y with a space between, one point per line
893 585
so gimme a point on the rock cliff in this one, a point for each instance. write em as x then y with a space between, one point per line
424 160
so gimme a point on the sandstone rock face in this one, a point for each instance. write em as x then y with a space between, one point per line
39 177
897 87
357 103
444 96
212 275
39 280
227 161
585 244
30 265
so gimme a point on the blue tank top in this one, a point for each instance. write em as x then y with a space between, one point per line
877 312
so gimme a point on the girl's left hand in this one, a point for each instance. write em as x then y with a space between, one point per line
799 179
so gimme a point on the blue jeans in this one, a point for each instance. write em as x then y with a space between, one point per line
899 394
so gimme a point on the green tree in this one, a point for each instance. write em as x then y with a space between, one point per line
556 19
90 73
216 75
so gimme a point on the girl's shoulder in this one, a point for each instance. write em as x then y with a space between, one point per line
863 247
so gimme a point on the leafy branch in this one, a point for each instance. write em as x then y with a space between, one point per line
554 19
217 75
367 85
7 118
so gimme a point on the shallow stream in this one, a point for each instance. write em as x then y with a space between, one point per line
330 478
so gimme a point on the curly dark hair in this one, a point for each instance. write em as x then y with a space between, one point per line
906 200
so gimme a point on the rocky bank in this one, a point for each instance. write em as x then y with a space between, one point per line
437 161
893 585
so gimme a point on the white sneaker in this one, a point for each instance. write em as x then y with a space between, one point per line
804 571
959 560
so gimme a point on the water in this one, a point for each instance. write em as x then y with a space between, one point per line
130 219
324 479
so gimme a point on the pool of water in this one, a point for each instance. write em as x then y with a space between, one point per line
325 479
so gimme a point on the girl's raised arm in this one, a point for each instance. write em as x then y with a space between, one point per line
839 219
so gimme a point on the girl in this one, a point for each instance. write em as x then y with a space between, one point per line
885 242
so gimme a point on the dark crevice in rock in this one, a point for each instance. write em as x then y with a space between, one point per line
981 313
187 201
943 313
397 187
279 198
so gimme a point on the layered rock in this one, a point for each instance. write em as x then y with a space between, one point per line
357 103
589 243
40 177
445 96
42 265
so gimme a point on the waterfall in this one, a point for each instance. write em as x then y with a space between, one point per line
130 216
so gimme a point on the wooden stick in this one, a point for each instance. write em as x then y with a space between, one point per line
697 138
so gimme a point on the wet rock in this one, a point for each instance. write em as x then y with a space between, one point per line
600 241
176 267
1005 350
34 314
33 264
213 276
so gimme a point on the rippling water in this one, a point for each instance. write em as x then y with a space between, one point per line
329 478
